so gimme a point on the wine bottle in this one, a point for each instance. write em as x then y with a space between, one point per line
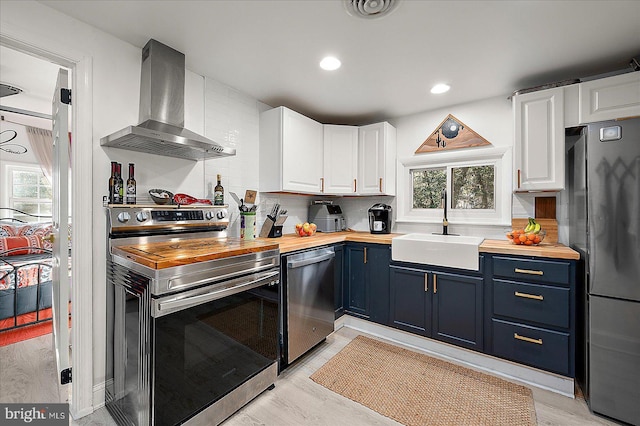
218 193
112 184
131 186
118 189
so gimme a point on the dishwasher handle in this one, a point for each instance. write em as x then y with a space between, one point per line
292 264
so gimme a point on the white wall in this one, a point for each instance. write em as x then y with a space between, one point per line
490 118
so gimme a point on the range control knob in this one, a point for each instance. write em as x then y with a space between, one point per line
142 216
124 217
222 213
209 215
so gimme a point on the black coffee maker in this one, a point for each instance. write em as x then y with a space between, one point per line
380 219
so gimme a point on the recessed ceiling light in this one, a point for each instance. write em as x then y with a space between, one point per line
440 88
330 63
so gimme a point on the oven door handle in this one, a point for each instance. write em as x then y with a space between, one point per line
183 301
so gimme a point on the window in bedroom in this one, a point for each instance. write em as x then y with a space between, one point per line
30 192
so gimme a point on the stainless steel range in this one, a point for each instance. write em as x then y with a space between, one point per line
192 316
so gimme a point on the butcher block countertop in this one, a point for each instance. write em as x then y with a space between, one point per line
161 255
292 242
552 250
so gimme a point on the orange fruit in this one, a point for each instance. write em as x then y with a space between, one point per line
528 242
536 240
531 237
522 238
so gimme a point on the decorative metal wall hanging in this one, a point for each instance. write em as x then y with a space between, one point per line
7 136
451 134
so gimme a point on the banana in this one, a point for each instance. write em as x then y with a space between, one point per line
536 229
530 226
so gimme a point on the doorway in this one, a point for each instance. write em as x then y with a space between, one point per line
80 64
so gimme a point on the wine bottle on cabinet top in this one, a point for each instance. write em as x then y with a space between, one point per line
131 186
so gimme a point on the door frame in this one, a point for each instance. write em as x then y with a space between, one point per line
81 65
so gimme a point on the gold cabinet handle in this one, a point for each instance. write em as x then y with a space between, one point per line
529 296
527 339
435 283
49 238
426 282
365 255
322 184
519 178
355 185
380 184
528 271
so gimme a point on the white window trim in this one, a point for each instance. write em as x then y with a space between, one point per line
500 157
11 199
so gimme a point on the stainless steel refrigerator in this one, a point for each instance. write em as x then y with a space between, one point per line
603 168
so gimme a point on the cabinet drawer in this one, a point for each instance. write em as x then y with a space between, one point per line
547 271
537 347
532 302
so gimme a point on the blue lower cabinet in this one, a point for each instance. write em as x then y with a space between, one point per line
442 305
338 281
411 300
458 309
367 281
534 346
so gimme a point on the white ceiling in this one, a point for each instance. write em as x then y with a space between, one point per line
270 49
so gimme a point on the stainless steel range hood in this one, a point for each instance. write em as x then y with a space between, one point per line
161 130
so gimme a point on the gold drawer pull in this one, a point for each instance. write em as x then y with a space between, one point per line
528 271
529 296
365 255
527 339
435 283
426 282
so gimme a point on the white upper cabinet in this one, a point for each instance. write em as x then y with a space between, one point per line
539 140
340 159
377 159
291 152
610 98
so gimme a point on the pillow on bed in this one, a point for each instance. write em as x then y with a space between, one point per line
37 229
20 245
7 230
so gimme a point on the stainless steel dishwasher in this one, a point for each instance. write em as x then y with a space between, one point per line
309 299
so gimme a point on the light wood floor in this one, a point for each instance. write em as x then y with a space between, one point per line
27 375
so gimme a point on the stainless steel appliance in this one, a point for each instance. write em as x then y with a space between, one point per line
604 192
380 219
309 287
192 316
327 216
161 129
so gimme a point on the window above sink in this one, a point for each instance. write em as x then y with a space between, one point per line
477 181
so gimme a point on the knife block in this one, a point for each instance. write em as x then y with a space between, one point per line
270 229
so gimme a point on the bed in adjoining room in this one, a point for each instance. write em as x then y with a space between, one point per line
25 281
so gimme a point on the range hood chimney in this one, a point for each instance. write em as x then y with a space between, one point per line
161 130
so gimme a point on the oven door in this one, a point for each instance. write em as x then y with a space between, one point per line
209 341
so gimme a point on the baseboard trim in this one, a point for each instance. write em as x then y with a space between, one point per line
487 363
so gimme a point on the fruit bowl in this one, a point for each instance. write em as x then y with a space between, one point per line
520 237
306 229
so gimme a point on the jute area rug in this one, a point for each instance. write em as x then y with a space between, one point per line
417 390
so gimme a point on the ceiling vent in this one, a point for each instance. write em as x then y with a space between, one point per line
370 9
8 90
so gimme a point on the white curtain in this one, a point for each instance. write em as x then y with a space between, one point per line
41 141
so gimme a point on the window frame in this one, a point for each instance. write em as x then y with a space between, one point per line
12 200
499 157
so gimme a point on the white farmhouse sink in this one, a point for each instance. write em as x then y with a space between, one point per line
454 251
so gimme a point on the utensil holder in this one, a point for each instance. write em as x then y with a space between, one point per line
248 226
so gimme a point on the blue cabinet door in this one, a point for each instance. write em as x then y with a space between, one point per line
458 309
357 300
410 302
377 277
